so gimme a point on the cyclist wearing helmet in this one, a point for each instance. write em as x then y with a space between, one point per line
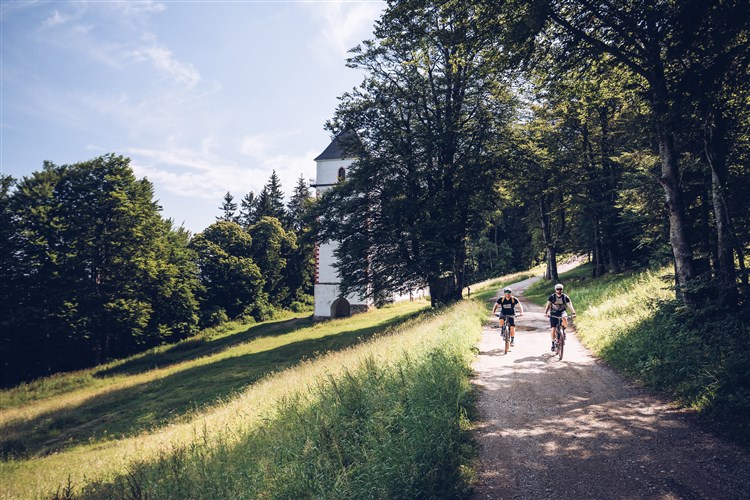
557 303
507 304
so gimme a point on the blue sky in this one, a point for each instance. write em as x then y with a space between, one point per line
204 97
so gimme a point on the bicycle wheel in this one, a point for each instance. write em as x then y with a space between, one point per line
506 338
560 344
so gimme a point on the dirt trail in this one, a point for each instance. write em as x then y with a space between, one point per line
576 429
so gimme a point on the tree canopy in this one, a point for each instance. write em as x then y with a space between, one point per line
427 128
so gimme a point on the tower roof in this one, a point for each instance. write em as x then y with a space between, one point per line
335 150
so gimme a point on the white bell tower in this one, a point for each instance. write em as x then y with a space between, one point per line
332 167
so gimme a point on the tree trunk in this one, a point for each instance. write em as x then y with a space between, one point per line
545 218
598 268
552 264
610 219
679 225
443 290
714 133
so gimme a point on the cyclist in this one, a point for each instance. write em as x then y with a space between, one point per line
557 304
507 305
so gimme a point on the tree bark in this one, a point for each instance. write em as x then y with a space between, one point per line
679 226
549 240
552 264
598 268
443 290
609 238
714 132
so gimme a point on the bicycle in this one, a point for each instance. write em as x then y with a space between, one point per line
505 330
560 337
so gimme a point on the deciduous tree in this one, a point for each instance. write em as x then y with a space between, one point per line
427 126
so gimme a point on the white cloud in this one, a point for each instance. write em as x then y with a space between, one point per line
83 28
202 173
131 9
56 19
342 26
163 60
253 146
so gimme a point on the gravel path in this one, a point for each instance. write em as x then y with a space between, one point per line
576 429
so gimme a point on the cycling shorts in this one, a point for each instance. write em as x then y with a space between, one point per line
510 319
554 319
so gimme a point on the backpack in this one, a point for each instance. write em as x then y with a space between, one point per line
562 307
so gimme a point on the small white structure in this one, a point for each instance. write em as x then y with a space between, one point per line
329 303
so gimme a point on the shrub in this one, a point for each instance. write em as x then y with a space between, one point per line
213 317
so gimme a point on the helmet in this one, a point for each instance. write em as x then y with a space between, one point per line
507 290
558 286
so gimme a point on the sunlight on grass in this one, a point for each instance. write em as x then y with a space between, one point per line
231 415
382 419
608 308
208 393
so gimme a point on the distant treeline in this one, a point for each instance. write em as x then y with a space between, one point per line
90 271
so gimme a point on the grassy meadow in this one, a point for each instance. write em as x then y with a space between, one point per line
372 405
92 422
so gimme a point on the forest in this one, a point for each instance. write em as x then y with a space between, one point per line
91 272
489 136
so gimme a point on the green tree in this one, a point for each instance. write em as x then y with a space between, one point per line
231 280
89 253
228 208
713 72
172 292
114 248
272 246
656 41
300 268
425 127
299 205
248 208
271 200
548 166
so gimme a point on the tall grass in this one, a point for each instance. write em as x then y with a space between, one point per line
698 356
389 410
95 429
383 420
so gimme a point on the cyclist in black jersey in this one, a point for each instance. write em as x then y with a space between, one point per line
557 304
507 304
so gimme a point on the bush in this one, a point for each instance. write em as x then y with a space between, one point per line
261 311
299 307
213 317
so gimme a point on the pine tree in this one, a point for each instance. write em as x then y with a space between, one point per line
299 205
271 200
248 208
228 208
300 268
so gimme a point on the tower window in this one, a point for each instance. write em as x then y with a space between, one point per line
342 174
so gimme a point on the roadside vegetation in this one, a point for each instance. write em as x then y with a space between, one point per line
93 422
375 404
386 419
698 356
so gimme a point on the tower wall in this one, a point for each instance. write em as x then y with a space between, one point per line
327 279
